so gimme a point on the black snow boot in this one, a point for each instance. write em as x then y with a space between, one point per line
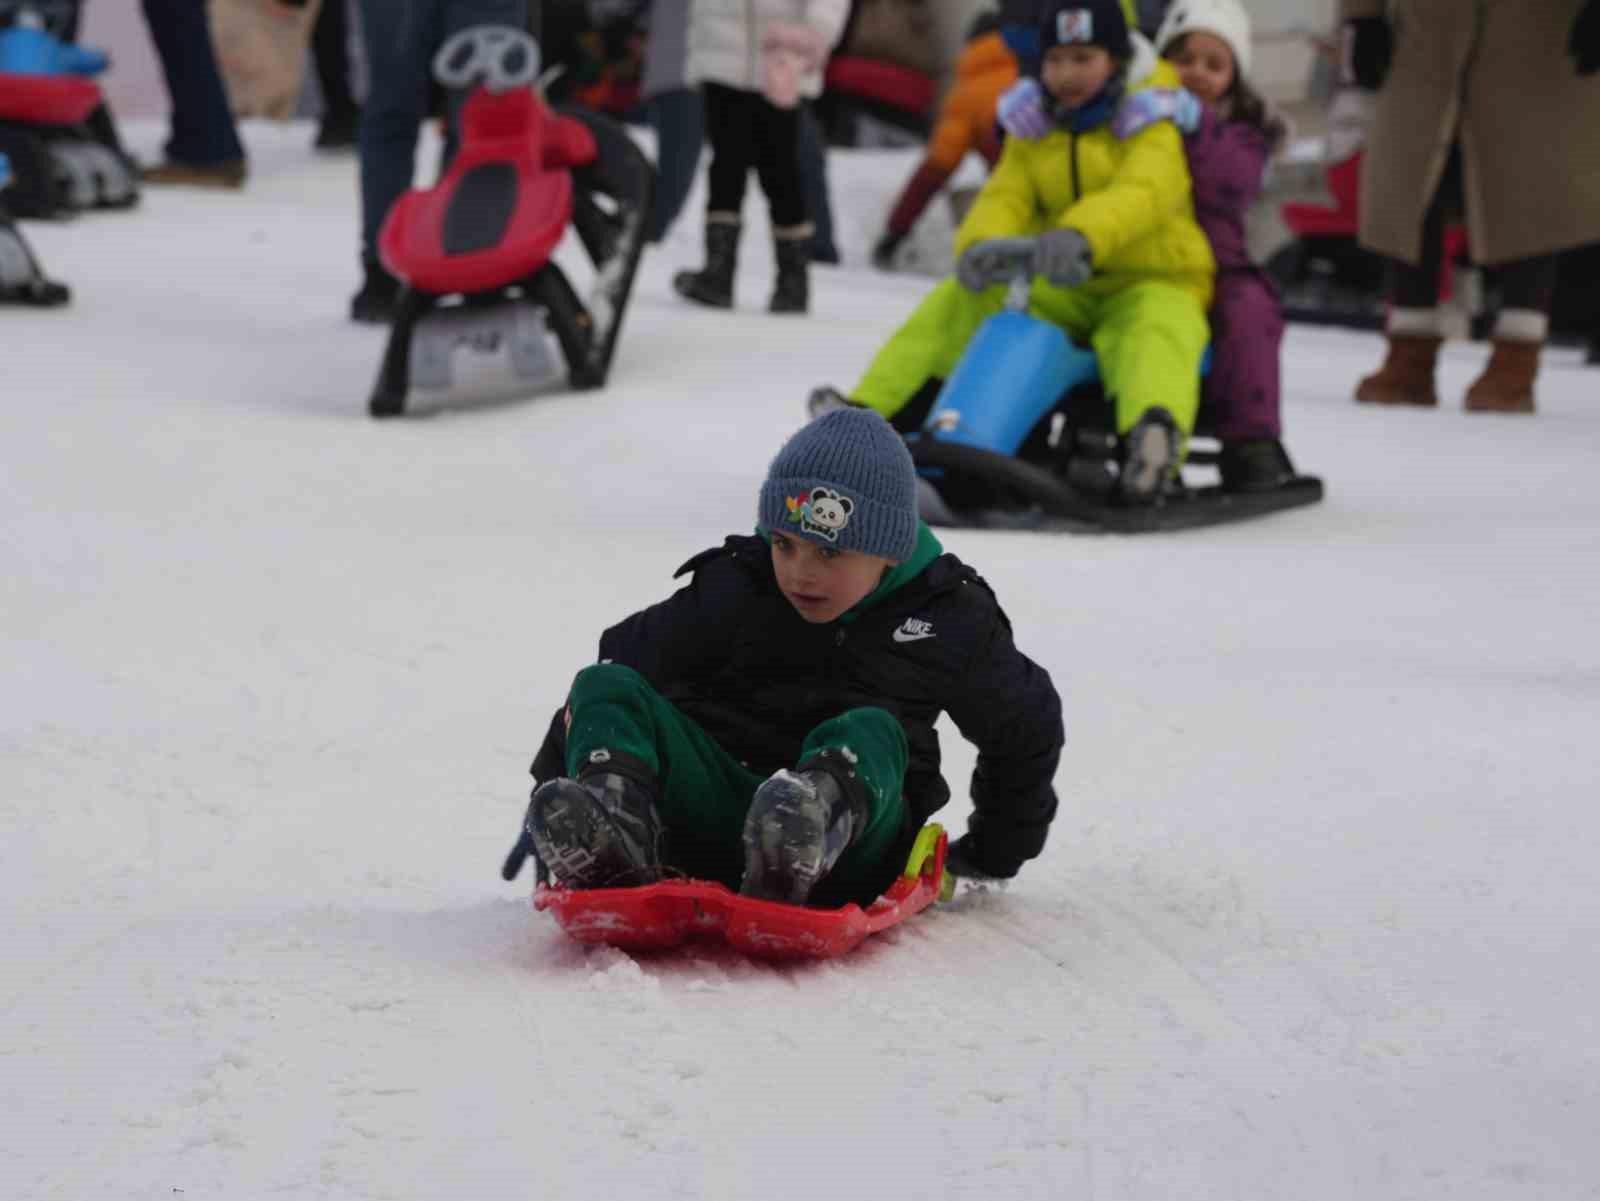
798 825
598 831
791 293
1150 457
380 292
1254 465
712 285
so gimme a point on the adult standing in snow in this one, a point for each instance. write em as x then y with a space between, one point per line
401 38
1489 109
675 111
204 149
756 61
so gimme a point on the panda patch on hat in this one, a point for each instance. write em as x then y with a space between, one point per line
821 511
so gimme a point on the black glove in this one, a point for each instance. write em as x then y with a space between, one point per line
1584 44
1062 256
883 252
1368 46
965 860
521 851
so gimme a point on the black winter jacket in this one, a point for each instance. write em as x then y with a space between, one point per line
731 653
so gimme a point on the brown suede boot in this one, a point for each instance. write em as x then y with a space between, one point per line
1506 385
1406 377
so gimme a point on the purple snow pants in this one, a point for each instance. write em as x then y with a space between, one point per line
1241 393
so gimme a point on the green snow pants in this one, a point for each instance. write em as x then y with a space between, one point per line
703 792
1150 337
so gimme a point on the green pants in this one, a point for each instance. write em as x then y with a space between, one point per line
1149 336
703 793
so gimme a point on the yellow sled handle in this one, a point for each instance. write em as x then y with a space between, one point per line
930 845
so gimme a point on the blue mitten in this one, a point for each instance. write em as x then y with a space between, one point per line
1022 111
1145 108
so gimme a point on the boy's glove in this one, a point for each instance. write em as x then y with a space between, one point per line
1063 257
1368 45
964 860
1145 108
883 252
1022 111
1584 44
982 266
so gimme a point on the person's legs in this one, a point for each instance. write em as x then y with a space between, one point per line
777 142
868 747
399 41
1150 339
930 343
1241 392
701 792
731 129
203 132
679 121
330 52
1527 290
814 179
1412 326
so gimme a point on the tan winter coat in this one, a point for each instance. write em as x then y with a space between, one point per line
1494 75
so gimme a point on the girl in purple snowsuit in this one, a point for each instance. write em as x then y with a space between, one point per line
1229 135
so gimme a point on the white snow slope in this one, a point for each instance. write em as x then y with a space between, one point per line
1318 918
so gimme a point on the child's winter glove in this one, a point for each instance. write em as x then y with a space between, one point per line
789 53
1022 112
1368 45
1145 108
965 860
883 251
982 265
1063 257
1584 44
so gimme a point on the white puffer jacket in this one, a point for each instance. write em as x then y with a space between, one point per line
726 38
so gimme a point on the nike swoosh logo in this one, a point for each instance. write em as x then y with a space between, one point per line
902 636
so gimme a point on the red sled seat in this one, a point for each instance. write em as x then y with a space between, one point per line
503 205
47 99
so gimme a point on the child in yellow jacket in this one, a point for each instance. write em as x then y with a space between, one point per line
1120 261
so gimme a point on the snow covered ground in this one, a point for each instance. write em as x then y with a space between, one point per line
1318 919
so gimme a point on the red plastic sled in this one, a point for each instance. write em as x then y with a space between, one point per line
662 915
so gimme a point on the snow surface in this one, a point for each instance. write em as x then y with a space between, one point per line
1318 918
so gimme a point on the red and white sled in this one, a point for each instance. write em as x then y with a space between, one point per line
655 916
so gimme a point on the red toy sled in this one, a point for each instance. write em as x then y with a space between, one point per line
662 915
475 251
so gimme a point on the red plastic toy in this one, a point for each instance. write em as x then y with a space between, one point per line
475 251
657 916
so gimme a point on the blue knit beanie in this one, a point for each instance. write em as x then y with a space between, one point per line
845 481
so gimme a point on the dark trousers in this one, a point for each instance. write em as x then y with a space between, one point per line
814 176
1522 284
203 133
745 131
401 37
330 51
678 118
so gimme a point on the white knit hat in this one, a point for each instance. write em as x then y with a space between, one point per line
1225 19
